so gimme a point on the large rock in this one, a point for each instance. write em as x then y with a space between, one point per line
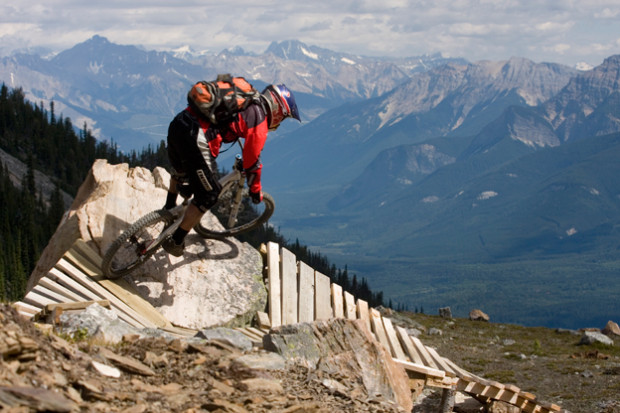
611 329
214 283
344 350
478 315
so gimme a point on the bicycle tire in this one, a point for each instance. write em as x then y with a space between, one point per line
132 254
222 207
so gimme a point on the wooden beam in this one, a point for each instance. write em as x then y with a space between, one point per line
418 368
124 311
408 346
378 329
440 362
262 319
76 306
289 287
37 300
397 350
274 284
70 295
306 293
322 297
337 301
350 311
424 354
26 308
39 289
63 279
363 313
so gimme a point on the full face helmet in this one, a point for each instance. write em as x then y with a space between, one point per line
280 105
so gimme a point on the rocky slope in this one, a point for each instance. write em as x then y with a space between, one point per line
44 372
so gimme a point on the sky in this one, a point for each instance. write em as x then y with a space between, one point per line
561 31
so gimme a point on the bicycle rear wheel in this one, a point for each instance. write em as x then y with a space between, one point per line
233 220
134 246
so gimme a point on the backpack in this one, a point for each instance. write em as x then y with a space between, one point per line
220 100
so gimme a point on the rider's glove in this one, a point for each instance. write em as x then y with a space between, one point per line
257 197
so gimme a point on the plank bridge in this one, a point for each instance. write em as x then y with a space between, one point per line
296 293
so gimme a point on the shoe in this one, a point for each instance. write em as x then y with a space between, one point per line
172 247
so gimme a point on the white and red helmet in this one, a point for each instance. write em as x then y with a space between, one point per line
280 105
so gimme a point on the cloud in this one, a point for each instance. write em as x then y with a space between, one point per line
546 30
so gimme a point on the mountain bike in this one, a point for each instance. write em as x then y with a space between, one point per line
234 210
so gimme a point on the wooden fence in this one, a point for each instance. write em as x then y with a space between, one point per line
297 293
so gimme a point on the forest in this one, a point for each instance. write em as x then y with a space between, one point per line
50 143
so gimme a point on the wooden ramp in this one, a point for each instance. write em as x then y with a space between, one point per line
77 279
297 293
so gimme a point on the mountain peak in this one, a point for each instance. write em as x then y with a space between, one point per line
291 49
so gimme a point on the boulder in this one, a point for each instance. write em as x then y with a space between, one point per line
215 283
344 350
611 329
478 315
445 312
591 337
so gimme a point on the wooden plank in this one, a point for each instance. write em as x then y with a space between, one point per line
61 278
419 368
397 350
85 250
289 287
249 333
259 333
441 363
350 311
124 311
39 289
363 314
408 346
473 387
306 293
120 288
377 328
337 301
322 297
76 306
37 300
443 383
459 371
58 288
26 308
262 319
492 392
424 354
274 284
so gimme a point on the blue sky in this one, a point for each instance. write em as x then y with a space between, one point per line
564 31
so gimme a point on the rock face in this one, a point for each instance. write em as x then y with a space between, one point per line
347 349
214 283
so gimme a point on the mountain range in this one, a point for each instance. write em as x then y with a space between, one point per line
442 181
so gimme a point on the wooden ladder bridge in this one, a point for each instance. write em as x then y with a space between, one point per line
296 293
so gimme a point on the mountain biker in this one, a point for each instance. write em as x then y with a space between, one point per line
194 143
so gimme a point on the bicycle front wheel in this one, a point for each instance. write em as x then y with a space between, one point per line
134 246
235 217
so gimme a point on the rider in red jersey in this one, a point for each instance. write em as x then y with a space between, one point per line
194 143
